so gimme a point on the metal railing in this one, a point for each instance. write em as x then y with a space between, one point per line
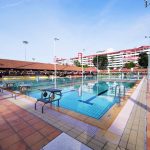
119 93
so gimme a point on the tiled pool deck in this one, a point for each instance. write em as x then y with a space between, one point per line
19 123
20 130
148 115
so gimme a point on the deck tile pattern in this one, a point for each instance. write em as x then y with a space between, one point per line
21 130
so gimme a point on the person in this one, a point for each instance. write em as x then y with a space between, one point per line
53 96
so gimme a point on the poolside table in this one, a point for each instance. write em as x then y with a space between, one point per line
24 87
10 84
51 90
48 96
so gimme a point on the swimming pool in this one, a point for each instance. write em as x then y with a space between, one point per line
87 101
90 98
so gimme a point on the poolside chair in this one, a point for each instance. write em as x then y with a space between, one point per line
48 97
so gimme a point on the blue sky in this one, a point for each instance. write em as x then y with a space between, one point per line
92 25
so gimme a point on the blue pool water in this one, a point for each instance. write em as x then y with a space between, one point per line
98 106
90 101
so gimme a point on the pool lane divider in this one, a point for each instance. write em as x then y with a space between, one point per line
68 91
88 101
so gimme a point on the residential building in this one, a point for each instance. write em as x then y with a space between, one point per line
116 59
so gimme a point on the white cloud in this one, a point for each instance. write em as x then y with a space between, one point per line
13 4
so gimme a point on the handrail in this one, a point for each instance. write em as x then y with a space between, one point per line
116 89
119 95
124 90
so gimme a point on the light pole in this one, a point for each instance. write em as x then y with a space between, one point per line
82 67
97 68
55 39
25 51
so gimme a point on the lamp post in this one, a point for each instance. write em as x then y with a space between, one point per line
97 68
25 51
54 50
82 69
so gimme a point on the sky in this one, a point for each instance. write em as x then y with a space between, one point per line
92 25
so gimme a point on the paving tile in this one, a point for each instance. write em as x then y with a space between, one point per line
26 132
140 142
8 141
112 137
96 142
73 134
127 131
8 115
110 146
140 148
68 126
78 130
93 146
2 121
39 125
20 126
15 122
85 141
33 138
132 140
33 121
40 144
85 136
135 127
6 133
123 144
64 129
100 139
47 130
130 146
23 114
53 135
28 117
120 148
18 146
11 117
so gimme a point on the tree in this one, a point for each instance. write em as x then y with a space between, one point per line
129 65
101 61
143 60
85 66
77 63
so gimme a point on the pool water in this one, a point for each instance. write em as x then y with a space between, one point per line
85 99
88 98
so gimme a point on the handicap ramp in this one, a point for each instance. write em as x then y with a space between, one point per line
65 142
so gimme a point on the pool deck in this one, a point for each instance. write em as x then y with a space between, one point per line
19 123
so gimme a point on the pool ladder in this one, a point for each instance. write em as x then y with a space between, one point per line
118 97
